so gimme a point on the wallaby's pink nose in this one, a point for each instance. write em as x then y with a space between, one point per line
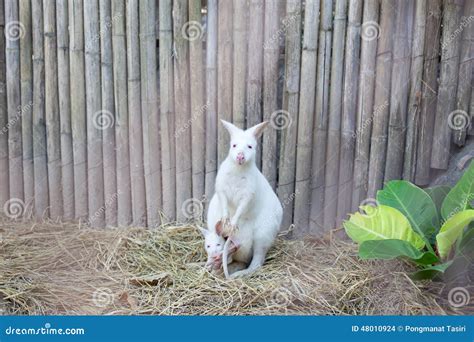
240 158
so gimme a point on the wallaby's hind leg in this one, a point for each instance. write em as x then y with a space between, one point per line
257 261
236 266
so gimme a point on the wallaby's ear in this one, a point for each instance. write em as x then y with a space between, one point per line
257 130
230 127
219 227
203 231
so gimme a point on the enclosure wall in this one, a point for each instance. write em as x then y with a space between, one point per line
110 109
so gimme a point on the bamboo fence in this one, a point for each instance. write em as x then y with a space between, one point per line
110 109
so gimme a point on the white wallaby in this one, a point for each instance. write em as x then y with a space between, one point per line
213 242
246 199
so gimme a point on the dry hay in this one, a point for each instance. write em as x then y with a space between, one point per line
56 268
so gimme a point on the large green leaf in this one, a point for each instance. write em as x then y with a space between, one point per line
430 272
391 249
381 223
451 230
466 245
438 194
461 196
414 203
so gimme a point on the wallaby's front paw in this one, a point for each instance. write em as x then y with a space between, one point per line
225 228
221 225
217 261
225 220
214 265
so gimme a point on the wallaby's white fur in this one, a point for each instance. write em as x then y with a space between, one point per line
245 196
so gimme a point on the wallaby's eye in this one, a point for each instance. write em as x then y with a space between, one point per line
234 146
218 244
249 146
208 246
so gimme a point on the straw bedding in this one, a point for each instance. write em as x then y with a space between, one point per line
58 268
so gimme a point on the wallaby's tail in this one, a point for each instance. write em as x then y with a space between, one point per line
225 255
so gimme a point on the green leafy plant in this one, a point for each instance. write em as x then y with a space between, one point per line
421 225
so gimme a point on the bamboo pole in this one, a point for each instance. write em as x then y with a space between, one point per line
13 31
428 92
381 110
135 115
95 114
349 110
414 101
78 107
181 92
224 76
39 127
305 117
198 108
4 173
471 111
107 126
150 106
53 129
400 90
255 67
448 77
26 75
67 160
119 50
239 64
465 77
271 53
369 33
211 97
321 113
291 25
168 162
335 109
